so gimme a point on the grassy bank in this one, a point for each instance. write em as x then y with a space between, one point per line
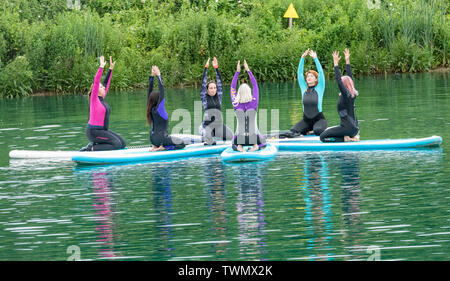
49 46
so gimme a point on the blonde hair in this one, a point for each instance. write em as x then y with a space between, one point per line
348 83
244 94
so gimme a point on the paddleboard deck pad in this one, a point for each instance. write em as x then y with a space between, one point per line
230 155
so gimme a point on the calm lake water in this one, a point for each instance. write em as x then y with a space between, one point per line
388 205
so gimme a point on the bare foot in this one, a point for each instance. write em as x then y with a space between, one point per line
161 148
355 138
240 148
154 148
254 148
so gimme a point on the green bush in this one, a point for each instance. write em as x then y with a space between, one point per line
62 45
16 78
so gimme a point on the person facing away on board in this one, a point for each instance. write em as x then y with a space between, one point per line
211 95
158 118
245 103
312 96
97 129
348 129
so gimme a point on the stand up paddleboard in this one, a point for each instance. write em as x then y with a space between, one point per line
128 155
65 155
297 144
230 155
433 141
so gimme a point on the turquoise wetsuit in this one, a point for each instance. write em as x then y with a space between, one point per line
312 97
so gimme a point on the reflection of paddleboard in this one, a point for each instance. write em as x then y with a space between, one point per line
230 155
433 141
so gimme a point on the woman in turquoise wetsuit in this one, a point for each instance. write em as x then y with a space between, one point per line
312 95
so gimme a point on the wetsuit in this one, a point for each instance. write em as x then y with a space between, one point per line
212 125
97 128
346 109
313 118
160 121
247 129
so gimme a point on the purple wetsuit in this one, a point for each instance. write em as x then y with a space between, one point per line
247 130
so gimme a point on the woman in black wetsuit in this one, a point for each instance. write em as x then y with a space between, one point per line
158 118
312 86
348 129
211 95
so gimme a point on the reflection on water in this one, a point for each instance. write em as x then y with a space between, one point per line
214 180
162 197
103 207
351 200
300 206
318 209
250 210
209 210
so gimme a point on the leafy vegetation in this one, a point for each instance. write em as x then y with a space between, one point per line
54 45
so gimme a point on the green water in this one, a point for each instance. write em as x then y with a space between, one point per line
388 205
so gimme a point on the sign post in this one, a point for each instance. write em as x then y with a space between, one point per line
291 13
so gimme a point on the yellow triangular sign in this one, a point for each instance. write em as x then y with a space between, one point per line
291 12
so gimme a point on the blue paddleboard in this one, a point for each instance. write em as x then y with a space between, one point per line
433 141
125 155
230 155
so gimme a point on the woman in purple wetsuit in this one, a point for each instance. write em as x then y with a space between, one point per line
97 128
158 118
245 103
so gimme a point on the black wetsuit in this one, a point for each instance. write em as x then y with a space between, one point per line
212 125
160 121
100 137
312 97
247 134
346 109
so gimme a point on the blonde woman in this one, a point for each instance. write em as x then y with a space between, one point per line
245 103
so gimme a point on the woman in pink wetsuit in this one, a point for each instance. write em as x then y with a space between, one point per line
97 128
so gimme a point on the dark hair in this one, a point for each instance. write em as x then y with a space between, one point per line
210 82
152 101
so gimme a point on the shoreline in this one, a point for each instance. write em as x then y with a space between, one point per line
440 69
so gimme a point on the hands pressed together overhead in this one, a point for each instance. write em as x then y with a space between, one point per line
103 62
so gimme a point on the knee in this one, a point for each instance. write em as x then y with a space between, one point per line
319 131
323 136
